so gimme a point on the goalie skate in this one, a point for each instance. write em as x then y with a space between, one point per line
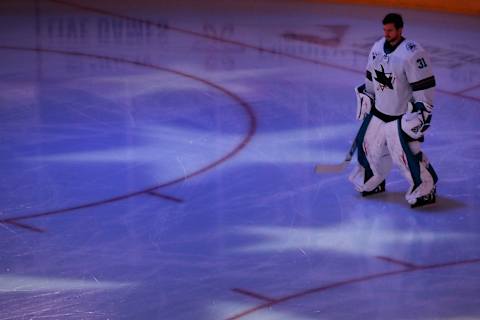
379 189
425 200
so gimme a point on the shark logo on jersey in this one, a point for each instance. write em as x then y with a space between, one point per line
411 46
384 79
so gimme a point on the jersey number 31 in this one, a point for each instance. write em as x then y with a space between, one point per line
421 63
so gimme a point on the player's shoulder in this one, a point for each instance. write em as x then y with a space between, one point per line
377 48
411 48
378 45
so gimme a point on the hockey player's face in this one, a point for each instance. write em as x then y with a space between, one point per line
391 33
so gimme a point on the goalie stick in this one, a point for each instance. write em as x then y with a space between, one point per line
334 168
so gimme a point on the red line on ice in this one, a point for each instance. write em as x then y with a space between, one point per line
234 42
22 225
409 267
253 294
166 197
468 89
348 282
399 262
252 122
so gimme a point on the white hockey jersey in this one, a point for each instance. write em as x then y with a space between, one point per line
396 76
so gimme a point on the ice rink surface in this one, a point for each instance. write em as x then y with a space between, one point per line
156 162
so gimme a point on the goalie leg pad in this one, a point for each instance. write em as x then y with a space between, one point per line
413 164
374 161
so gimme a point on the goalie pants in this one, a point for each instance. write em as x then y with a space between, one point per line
381 143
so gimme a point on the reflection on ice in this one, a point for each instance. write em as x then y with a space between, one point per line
223 310
358 237
14 283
